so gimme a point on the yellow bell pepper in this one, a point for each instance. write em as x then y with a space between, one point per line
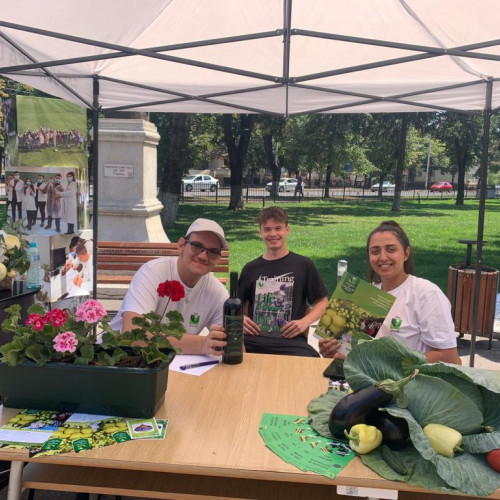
364 438
444 440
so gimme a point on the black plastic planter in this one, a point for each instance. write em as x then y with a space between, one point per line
104 390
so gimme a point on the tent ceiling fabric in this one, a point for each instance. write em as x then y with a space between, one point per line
265 56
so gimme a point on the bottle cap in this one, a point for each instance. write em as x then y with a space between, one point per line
32 244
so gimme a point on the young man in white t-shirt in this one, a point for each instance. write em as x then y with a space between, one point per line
202 306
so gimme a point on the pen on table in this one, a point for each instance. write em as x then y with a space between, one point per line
196 365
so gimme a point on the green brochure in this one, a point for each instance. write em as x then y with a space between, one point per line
293 439
356 310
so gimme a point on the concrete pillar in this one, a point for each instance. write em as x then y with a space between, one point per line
129 209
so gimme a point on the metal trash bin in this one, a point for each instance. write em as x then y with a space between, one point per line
461 284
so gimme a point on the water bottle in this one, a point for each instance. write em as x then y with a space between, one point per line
33 274
341 269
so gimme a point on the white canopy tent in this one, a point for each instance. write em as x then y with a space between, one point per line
283 57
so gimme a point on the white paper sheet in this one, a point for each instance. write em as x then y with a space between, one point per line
189 359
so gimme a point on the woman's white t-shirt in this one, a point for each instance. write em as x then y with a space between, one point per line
420 316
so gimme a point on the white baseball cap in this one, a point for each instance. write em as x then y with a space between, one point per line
208 225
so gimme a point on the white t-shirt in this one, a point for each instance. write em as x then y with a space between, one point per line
420 316
201 307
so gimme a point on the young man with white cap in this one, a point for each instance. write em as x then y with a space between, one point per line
202 306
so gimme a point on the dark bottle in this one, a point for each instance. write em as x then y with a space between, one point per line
233 324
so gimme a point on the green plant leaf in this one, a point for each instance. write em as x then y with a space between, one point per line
481 443
319 410
434 401
36 309
465 472
86 354
380 359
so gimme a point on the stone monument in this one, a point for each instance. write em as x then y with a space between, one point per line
129 209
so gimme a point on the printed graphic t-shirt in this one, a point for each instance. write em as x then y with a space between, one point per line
279 290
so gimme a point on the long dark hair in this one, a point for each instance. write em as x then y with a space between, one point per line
393 227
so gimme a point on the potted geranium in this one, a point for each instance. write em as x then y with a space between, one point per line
60 361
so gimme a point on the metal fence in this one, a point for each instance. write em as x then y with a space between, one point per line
258 193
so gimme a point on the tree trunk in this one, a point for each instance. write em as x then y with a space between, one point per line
328 177
171 179
401 156
170 202
272 163
461 155
237 155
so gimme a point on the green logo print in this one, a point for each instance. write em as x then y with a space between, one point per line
396 323
194 319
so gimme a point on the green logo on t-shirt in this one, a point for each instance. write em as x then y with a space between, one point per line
194 319
396 323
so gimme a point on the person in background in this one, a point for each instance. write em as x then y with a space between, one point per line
282 293
69 212
29 203
9 188
53 190
421 314
41 197
298 187
202 306
17 196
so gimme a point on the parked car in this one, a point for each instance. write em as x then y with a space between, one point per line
471 183
200 182
441 186
385 186
284 185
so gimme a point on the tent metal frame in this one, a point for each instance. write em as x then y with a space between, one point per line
46 69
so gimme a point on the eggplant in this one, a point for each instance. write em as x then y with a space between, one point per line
395 431
355 408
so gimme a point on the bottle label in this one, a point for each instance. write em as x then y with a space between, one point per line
234 332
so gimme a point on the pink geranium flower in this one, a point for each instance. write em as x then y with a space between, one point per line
90 311
65 342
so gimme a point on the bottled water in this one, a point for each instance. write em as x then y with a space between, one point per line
341 269
33 274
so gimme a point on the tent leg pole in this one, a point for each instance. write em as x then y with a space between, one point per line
95 178
480 224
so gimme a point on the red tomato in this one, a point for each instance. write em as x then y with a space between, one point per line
493 458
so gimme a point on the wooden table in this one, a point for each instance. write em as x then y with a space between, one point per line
212 447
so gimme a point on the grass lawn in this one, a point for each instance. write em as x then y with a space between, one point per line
328 231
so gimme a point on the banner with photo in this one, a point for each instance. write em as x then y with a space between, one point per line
47 187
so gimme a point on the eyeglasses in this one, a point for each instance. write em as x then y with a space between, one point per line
198 248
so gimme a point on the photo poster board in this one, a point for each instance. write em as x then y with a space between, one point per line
66 263
46 144
47 138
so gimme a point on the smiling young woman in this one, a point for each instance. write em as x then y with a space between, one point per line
421 315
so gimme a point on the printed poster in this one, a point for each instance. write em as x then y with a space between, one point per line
356 309
272 306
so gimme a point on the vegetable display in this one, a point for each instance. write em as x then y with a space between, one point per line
357 407
363 438
463 401
493 458
444 440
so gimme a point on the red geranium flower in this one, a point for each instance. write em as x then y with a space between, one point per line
173 289
36 320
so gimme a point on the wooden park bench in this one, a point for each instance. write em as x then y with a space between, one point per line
117 261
